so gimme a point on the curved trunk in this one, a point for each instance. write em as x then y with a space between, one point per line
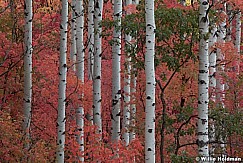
150 83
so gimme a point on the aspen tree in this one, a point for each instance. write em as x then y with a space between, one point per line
80 135
238 37
80 74
212 81
90 39
116 71
203 80
61 119
150 82
73 50
220 86
80 40
27 70
97 65
127 81
132 133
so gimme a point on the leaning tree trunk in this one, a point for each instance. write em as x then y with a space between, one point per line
150 83
27 71
97 66
80 74
203 80
61 119
127 83
116 69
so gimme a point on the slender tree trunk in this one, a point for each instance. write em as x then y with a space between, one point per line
80 128
230 19
127 81
27 71
116 69
132 133
62 84
80 74
212 82
90 39
97 66
73 50
220 86
150 83
80 40
238 38
203 80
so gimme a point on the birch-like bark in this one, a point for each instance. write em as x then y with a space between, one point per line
97 66
80 135
238 38
132 133
127 81
27 71
230 19
203 80
61 119
220 86
73 49
90 39
80 40
212 82
80 74
116 71
150 83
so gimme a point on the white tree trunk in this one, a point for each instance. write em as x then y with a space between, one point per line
238 38
212 81
230 18
61 119
73 50
220 86
150 83
127 82
27 70
132 133
203 81
80 128
80 74
80 40
90 39
116 69
97 65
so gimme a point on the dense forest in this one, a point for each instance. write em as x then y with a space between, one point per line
121 81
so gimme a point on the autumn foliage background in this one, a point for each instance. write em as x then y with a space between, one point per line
180 94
